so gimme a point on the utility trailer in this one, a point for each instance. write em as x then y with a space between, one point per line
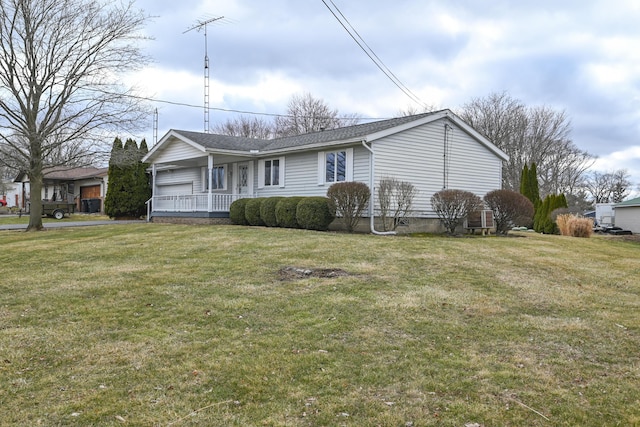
57 210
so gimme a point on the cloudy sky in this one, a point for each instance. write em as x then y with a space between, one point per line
580 56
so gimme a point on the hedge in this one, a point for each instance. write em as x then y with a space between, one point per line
286 212
236 212
268 210
315 213
252 211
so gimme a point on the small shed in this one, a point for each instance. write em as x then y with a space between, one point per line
628 215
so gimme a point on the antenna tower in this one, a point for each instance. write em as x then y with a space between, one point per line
155 126
202 25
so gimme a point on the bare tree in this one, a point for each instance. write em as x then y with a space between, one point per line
608 187
411 110
307 114
453 206
248 127
395 200
528 135
621 185
60 92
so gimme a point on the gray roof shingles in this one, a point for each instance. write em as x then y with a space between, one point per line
234 143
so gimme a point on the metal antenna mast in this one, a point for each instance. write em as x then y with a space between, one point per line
155 126
203 25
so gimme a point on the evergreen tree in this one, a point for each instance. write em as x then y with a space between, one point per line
129 187
143 150
524 182
544 221
529 187
534 188
112 199
548 226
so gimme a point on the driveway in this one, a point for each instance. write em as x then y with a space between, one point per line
71 224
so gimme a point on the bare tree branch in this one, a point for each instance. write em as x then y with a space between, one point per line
60 96
529 135
307 114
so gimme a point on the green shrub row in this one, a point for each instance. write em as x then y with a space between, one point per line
311 213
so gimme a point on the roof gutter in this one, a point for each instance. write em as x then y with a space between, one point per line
371 185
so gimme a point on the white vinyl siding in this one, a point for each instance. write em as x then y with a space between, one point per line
176 181
628 218
174 189
177 150
417 156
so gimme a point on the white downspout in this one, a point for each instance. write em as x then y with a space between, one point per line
371 186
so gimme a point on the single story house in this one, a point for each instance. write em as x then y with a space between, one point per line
86 187
628 215
196 176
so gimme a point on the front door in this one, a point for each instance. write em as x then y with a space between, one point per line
243 178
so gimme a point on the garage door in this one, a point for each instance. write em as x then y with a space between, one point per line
90 192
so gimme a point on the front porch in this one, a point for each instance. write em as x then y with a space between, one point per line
197 205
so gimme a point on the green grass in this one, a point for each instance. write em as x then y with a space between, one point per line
170 325
24 219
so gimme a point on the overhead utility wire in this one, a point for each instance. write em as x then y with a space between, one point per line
225 110
372 55
412 95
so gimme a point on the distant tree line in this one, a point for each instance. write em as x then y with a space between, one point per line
541 135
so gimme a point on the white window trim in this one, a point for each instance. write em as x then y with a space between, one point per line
322 166
205 178
281 174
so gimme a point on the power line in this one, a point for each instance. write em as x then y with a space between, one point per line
372 55
224 110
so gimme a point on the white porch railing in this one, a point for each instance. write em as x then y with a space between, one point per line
195 202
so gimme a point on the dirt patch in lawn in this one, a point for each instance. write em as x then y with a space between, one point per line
295 273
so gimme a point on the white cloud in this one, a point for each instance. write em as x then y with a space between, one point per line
580 56
628 159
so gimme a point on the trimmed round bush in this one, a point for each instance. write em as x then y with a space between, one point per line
315 213
286 212
252 211
236 212
268 211
350 200
510 209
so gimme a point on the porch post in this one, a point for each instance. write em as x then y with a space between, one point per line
210 178
153 181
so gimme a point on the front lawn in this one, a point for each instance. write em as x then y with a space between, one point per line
173 325
24 218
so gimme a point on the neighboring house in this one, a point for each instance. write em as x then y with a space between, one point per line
85 187
197 176
628 215
10 193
